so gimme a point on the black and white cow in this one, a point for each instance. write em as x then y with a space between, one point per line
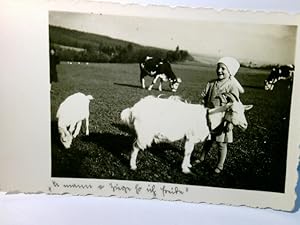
279 73
159 69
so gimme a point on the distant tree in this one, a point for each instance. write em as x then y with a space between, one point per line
129 47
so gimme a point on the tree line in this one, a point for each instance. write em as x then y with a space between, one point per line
117 54
72 45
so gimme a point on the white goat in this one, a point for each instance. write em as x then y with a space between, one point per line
70 114
159 120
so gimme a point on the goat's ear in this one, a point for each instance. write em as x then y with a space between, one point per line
248 107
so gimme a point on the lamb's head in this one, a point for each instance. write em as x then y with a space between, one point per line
65 138
235 113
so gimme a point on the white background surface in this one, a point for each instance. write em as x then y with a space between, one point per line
50 209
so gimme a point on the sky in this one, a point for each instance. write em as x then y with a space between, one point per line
258 43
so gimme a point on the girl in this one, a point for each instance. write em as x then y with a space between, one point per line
215 95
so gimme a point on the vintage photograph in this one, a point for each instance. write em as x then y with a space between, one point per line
162 100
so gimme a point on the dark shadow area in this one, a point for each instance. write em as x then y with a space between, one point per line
124 128
55 137
121 148
118 145
138 86
129 85
254 87
64 162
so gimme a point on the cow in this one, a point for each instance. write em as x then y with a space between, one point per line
284 72
160 69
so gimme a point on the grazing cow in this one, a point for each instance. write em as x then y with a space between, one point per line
279 73
157 120
158 69
70 114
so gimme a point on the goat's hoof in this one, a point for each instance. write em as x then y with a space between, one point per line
186 170
133 167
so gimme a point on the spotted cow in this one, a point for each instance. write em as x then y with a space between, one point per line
160 69
284 72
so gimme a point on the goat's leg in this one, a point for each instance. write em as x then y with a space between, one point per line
134 154
186 163
87 131
153 82
77 130
63 133
72 128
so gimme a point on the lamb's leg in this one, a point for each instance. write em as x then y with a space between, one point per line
186 163
134 154
77 130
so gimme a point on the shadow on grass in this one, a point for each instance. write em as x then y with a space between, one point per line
64 162
254 87
120 146
139 87
124 128
129 85
55 137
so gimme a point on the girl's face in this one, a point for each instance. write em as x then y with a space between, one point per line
222 71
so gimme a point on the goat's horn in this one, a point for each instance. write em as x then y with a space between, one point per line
232 97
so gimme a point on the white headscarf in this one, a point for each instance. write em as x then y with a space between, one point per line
233 66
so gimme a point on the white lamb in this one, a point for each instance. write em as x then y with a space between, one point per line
159 120
70 114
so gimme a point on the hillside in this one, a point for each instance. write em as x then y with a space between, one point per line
73 45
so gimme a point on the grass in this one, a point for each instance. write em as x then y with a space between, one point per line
255 161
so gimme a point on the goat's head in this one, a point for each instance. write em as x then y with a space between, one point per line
235 113
65 138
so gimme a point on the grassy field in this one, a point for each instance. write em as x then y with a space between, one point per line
256 160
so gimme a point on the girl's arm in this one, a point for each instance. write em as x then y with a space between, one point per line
238 85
